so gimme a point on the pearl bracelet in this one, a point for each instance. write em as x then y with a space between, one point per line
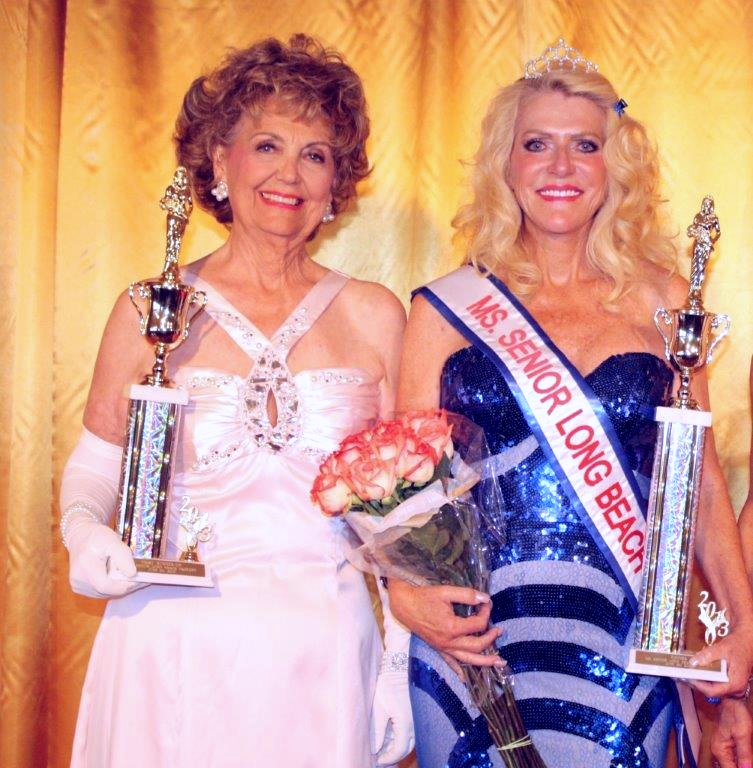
75 510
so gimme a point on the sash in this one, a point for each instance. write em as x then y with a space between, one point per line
563 413
573 431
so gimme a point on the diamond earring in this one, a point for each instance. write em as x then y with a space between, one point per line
329 215
220 191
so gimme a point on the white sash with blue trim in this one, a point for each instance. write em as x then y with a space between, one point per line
568 421
572 429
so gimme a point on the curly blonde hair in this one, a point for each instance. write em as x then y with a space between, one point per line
627 233
312 81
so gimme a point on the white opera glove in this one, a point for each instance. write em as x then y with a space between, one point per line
88 495
391 718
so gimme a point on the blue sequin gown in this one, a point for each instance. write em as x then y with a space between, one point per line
567 624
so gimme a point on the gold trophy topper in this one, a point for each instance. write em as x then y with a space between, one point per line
177 203
164 303
706 231
691 334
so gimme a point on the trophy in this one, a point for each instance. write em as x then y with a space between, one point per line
690 335
166 308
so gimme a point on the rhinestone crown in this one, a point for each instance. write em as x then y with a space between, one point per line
558 56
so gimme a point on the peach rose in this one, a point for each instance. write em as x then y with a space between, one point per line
352 447
332 494
432 428
370 478
388 439
330 491
417 461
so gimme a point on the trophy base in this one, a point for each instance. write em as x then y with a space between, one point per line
175 572
677 665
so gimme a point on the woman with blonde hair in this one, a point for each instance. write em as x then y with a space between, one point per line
545 338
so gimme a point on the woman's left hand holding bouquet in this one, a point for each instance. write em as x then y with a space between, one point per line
374 471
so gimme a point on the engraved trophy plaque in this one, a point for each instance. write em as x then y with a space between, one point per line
690 335
166 307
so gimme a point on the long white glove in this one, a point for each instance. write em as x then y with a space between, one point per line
88 495
391 718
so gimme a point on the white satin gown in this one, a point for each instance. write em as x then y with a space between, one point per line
275 665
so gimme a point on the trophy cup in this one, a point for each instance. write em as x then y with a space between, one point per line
690 335
166 308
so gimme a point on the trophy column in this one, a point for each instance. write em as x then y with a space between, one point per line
690 335
166 307
143 507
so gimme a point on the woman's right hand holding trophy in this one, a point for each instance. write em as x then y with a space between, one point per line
97 555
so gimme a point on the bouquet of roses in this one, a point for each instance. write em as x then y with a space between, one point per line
405 492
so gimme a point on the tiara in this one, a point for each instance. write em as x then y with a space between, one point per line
558 56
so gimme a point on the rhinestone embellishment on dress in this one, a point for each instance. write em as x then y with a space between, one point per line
201 382
271 378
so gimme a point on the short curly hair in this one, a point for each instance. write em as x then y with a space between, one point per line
311 80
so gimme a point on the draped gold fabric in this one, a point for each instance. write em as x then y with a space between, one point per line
88 93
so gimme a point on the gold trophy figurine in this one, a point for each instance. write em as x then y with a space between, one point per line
690 335
166 307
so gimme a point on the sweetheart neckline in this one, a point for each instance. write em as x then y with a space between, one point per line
585 376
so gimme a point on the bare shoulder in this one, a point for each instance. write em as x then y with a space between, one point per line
677 290
427 325
429 341
660 289
363 296
122 335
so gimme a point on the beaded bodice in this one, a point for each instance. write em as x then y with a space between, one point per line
312 410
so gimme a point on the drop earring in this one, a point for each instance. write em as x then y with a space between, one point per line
220 191
329 215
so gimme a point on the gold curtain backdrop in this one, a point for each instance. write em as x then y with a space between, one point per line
89 90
